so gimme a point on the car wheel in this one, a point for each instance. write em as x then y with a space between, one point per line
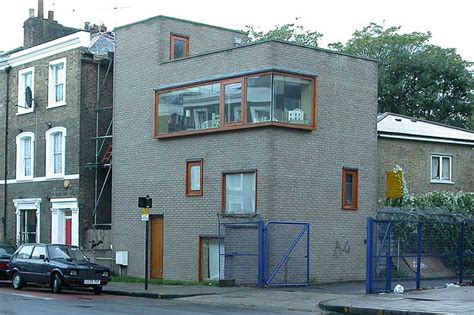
57 285
97 290
17 281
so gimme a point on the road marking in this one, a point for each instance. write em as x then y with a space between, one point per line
30 296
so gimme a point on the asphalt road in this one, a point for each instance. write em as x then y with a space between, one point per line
35 300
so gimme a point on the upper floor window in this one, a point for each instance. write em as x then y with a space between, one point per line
57 83
26 90
441 166
194 178
266 99
55 152
25 155
179 47
350 184
239 193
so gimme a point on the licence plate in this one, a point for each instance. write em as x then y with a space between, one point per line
91 281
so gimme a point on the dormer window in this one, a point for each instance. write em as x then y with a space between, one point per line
179 47
26 90
57 83
25 155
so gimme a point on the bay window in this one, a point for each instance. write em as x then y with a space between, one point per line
276 99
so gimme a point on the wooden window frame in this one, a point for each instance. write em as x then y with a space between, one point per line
189 192
243 105
355 188
223 212
173 38
244 124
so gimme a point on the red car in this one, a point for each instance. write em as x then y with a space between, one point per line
6 251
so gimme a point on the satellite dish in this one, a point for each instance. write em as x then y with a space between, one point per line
28 97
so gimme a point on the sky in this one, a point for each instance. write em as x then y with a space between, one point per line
450 22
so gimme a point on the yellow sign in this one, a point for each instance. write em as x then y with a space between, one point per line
394 184
145 214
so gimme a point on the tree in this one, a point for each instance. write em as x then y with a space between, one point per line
416 78
291 32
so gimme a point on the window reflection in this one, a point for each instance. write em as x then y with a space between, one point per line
259 98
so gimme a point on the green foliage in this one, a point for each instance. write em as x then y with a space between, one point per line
291 32
416 78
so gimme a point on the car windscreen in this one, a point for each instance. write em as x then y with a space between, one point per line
6 251
67 253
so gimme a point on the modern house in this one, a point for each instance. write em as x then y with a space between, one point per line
52 92
212 127
432 156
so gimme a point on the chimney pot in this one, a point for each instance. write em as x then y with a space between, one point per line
31 13
40 9
51 15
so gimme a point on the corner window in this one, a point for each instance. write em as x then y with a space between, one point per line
26 91
194 178
239 193
441 166
349 189
55 152
57 83
266 99
25 155
179 47
209 259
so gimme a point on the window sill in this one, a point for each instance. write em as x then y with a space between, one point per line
24 113
55 177
24 179
194 194
237 215
235 127
448 182
349 208
54 105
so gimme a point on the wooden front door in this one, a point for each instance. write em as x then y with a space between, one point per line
156 264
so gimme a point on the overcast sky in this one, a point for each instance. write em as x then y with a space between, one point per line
450 22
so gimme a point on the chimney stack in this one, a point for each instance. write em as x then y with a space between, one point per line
51 15
40 9
31 13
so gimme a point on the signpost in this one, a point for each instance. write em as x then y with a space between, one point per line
145 203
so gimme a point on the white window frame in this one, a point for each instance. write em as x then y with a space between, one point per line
27 205
22 109
51 90
20 163
50 152
440 166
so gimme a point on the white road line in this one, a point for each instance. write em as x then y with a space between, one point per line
29 296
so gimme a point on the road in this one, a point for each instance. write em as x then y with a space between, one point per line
36 300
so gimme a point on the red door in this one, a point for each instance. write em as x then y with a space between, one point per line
68 231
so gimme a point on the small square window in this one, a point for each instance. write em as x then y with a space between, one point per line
441 169
349 189
179 47
239 193
194 173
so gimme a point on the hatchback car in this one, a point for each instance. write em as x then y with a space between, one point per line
6 251
56 265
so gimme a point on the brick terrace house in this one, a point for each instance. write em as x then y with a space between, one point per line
209 125
433 156
48 119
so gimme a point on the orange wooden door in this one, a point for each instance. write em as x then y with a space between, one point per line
156 264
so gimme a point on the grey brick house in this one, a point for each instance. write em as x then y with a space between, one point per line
210 126
433 156
48 121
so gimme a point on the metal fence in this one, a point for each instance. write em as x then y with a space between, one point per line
275 253
416 253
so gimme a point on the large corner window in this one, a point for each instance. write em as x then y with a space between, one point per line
26 90
57 83
239 193
441 166
25 155
349 189
179 47
194 178
263 99
55 152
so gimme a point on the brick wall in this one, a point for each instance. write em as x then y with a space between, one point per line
299 172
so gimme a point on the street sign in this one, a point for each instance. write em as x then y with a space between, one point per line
145 214
144 202
394 184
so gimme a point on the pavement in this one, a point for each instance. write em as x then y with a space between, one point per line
320 299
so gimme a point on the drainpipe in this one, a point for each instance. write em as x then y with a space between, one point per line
7 72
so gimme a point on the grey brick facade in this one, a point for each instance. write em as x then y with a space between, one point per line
299 171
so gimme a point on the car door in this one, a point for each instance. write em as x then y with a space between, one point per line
21 261
38 265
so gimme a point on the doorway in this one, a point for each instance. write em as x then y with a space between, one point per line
156 263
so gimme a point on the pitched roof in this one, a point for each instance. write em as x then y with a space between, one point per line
403 127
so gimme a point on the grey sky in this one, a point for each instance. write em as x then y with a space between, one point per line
451 22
